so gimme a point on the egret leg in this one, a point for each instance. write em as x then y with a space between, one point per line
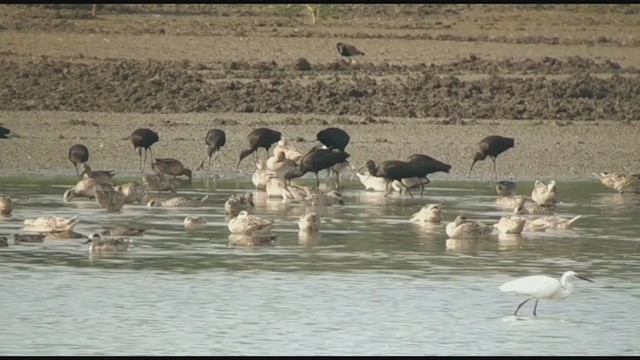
535 307
519 306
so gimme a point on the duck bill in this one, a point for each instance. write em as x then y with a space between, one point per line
584 278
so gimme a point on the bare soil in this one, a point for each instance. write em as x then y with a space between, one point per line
435 79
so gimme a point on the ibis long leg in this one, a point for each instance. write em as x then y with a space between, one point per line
535 307
387 187
494 171
144 163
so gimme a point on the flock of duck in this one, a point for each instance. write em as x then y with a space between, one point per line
274 176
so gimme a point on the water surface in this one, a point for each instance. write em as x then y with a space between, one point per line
372 284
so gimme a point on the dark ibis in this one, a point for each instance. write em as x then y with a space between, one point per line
5 133
315 161
259 138
172 167
348 51
78 154
215 140
392 170
333 138
141 139
492 146
427 165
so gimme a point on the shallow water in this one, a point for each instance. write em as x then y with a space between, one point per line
372 284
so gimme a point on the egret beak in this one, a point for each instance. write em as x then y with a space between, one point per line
584 278
88 241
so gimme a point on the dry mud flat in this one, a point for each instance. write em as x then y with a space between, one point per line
336 88
562 80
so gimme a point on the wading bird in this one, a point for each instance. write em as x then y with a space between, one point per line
78 155
315 161
141 139
333 138
542 287
5 133
427 165
172 167
492 146
397 170
348 51
215 140
259 138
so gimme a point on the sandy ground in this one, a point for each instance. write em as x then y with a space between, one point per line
436 79
542 150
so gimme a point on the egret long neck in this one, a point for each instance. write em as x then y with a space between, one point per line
567 287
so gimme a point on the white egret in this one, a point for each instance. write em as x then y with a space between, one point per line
542 287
